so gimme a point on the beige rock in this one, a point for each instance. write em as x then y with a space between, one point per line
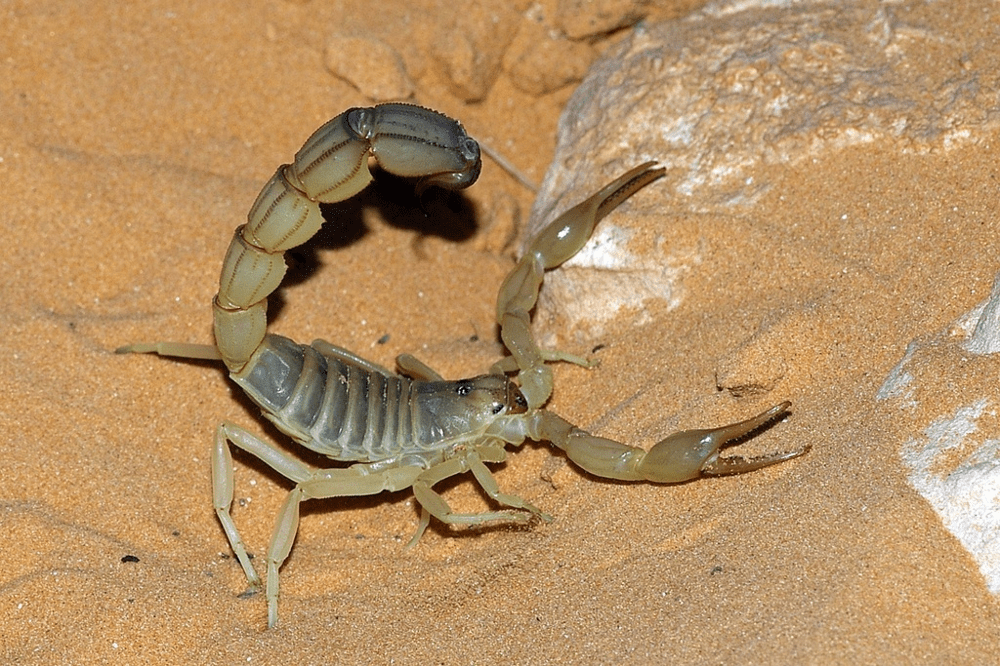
470 48
587 18
542 60
751 108
721 97
370 65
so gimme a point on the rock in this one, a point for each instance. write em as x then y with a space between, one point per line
470 49
953 455
718 98
370 65
984 337
542 60
581 19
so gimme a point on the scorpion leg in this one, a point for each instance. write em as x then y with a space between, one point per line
176 349
409 365
557 242
509 363
311 483
682 456
222 496
432 503
327 349
414 368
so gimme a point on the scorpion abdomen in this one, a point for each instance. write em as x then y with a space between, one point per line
336 408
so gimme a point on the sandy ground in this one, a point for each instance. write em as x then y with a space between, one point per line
133 139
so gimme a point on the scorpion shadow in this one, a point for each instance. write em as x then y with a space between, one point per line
445 214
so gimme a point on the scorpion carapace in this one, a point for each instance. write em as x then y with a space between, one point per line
411 429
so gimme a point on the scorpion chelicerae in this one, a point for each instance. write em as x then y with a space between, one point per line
412 429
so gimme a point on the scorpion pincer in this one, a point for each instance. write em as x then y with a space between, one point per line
411 429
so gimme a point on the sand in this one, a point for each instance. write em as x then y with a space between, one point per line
134 138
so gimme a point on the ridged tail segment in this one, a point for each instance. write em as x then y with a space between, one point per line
331 166
341 410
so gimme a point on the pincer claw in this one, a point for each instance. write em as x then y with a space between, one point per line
687 455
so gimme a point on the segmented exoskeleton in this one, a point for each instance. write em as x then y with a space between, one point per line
412 429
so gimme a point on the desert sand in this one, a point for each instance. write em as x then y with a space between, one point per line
135 136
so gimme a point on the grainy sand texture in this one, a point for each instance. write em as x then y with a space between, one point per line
825 233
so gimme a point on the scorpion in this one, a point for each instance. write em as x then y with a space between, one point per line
411 429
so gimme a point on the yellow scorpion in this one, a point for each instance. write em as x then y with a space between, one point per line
411 429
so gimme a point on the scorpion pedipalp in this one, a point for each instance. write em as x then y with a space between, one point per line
558 241
681 456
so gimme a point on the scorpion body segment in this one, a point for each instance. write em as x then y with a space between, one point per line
410 430
353 412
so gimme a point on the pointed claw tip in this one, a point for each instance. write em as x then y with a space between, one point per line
780 409
795 454
136 348
769 417
782 456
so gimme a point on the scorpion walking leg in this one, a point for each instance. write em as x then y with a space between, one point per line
349 357
413 367
176 349
408 365
311 483
509 363
682 456
557 242
222 495
433 504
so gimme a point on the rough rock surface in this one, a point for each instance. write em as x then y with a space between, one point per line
721 96
952 452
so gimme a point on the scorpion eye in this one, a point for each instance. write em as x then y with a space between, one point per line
463 388
497 408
